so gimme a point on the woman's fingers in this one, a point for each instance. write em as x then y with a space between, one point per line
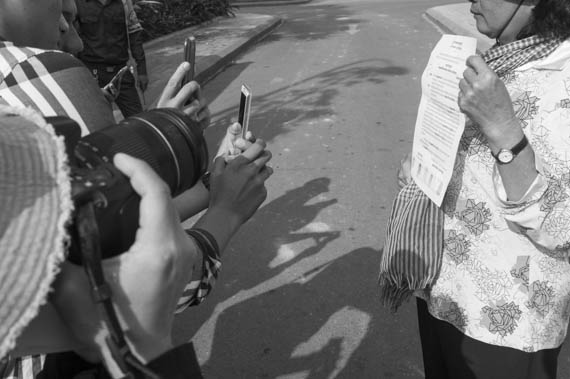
254 150
144 179
188 92
173 83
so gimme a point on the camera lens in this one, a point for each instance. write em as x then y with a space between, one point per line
168 140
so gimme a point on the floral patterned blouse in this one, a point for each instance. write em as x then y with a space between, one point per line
505 278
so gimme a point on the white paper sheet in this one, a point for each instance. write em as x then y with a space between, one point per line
440 123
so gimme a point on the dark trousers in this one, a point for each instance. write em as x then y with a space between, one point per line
449 354
128 99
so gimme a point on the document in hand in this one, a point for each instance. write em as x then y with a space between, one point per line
440 123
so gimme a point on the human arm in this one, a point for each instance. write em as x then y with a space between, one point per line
484 98
196 199
162 254
542 204
405 171
138 55
237 191
175 96
134 29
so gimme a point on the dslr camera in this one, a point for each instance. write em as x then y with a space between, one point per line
168 140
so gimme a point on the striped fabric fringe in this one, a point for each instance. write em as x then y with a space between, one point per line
413 247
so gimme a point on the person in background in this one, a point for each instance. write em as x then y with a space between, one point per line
499 307
69 40
111 34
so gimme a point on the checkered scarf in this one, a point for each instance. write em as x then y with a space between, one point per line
505 58
414 242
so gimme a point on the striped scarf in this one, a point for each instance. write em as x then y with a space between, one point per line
413 247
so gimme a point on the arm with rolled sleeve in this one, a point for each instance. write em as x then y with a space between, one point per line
543 213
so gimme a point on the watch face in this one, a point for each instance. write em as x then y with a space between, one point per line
505 156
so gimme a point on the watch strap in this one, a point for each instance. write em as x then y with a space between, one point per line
515 150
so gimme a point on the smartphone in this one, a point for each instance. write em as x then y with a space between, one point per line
244 108
190 57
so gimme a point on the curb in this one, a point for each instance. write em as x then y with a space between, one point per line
240 4
149 44
226 56
209 66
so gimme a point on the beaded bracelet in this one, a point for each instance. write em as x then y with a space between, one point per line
203 237
211 265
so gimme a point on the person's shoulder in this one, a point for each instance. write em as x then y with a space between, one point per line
50 60
54 60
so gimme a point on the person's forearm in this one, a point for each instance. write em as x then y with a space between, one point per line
46 333
519 174
221 224
192 201
137 52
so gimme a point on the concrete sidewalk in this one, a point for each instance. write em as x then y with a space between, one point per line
456 19
218 43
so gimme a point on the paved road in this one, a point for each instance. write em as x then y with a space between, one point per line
336 89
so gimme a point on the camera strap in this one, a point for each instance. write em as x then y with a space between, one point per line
91 253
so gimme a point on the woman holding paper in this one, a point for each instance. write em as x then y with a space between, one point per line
500 304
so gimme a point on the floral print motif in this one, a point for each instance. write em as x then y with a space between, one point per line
473 142
503 319
505 277
455 315
520 271
542 297
493 286
555 194
456 245
475 216
509 77
525 107
558 225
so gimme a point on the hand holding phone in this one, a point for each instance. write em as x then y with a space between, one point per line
113 88
244 109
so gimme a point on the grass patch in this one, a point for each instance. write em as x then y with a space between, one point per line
161 17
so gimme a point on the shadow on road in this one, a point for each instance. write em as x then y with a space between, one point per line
279 111
323 311
313 21
326 326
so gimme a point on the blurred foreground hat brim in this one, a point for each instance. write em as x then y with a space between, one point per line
35 206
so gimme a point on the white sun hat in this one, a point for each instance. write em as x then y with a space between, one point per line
35 206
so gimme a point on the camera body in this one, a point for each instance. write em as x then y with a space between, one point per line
168 140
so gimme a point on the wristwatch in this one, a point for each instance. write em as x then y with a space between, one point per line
505 156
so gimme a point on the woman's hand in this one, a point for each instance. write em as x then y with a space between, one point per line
484 98
238 186
233 144
405 171
146 281
187 98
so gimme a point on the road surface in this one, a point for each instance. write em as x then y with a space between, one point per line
336 89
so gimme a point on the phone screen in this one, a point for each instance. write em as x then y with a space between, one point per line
190 57
244 109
